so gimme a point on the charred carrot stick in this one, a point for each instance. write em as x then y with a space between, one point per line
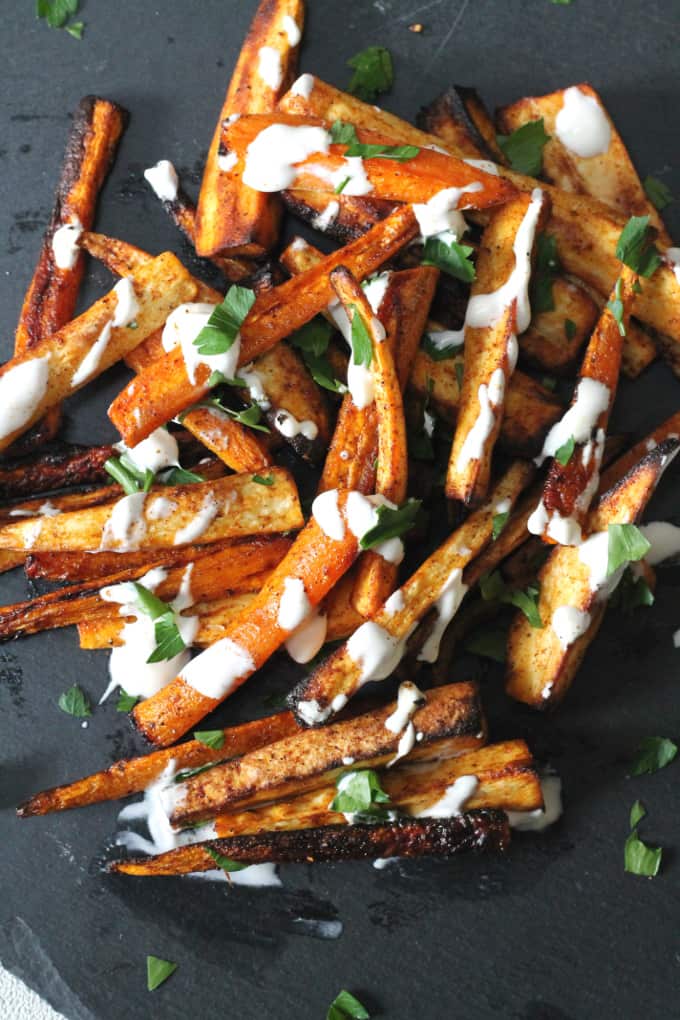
160 393
310 569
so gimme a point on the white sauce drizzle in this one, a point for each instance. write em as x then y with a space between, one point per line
409 700
88 366
160 508
664 539
375 651
273 153
294 606
395 603
327 515
591 399
446 606
453 800
535 821
226 161
201 521
65 248
309 638
164 180
288 425
581 125
673 260
181 329
215 672
292 29
483 164
440 214
126 526
490 398
256 389
303 86
159 450
569 623
328 216
127 307
441 339
21 390
269 67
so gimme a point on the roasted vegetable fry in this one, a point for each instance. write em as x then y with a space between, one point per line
498 310
556 337
230 507
577 442
58 365
239 447
232 218
669 429
459 117
450 720
211 576
608 174
574 588
132 775
374 651
505 775
164 390
345 217
59 468
476 831
417 178
312 566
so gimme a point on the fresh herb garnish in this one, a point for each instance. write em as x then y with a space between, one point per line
635 248
214 739
169 641
570 328
74 702
488 642
524 147
615 306
57 12
220 379
566 451
128 475
158 971
362 349
312 341
220 331
626 544
126 702
638 858
498 523
546 269
359 793
451 257
560 3
225 863
346 1007
249 416
178 476
658 193
373 73
391 523
494 589
339 188
440 351
264 479
654 753
184 774
343 133
460 372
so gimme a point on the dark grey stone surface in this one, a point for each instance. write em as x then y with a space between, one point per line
555 931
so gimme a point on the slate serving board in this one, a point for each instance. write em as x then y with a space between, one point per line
554 931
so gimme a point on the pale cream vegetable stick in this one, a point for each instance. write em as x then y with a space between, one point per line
60 364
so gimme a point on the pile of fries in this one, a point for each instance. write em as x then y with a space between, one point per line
369 364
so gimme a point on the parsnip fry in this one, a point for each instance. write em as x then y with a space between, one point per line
556 337
310 569
459 117
230 217
608 174
474 831
450 720
211 576
542 662
576 443
505 775
497 311
374 651
417 178
164 390
231 507
58 365
132 775
586 230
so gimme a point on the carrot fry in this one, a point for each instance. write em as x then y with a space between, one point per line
503 269
374 651
475 831
451 721
230 217
132 775
231 507
211 576
416 179
571 483
161 392
312 566
354 216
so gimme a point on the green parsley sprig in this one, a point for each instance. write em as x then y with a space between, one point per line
524 147
169 641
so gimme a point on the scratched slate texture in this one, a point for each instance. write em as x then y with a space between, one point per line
554 931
